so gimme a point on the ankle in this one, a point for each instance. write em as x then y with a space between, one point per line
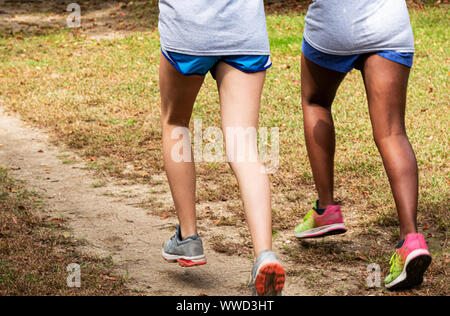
406 231
260 251
323 204
188 233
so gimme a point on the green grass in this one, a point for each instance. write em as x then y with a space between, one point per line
102 99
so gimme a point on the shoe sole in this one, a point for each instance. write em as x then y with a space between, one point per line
270 280
323 231
185 262
416 264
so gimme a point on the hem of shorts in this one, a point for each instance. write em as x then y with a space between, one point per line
178 68
397 61
249 71
328 66
215 53
357 52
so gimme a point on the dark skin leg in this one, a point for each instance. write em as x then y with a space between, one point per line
386 84
319 86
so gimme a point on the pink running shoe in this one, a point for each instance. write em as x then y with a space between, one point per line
409 263
313 225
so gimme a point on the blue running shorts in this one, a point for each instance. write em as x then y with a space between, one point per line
345 64
189 65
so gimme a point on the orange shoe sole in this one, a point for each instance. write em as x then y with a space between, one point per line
270 279
186 263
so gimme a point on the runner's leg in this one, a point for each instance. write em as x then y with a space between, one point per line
319 86
386 85
178 94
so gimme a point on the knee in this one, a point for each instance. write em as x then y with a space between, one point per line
389 138
173 119
316 99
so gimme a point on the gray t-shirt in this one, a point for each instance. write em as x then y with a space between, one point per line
347 27
213 27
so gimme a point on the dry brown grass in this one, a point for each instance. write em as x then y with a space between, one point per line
34 252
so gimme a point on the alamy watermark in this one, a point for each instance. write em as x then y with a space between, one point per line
242 145
374 275
74 18
74 277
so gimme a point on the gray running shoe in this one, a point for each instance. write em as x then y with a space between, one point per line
268 275
188 253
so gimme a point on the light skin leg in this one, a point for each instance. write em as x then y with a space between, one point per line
240 98
178 94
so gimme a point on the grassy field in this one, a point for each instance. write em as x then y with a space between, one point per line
101 98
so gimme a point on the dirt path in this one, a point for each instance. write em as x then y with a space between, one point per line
113 226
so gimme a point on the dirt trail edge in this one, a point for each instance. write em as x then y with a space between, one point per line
115 227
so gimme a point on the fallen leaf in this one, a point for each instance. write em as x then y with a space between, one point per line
361 257
164 216
107 277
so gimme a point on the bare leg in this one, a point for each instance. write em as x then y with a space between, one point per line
319 86
386 85
240 97
178 94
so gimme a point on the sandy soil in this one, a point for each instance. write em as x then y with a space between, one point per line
109 221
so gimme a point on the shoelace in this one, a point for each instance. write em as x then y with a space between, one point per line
392 261
305 219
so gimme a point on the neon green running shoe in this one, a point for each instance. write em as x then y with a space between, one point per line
313 225
409 263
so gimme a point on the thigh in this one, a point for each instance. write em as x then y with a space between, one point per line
240 99
386 84
240 96
319 84
178 94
